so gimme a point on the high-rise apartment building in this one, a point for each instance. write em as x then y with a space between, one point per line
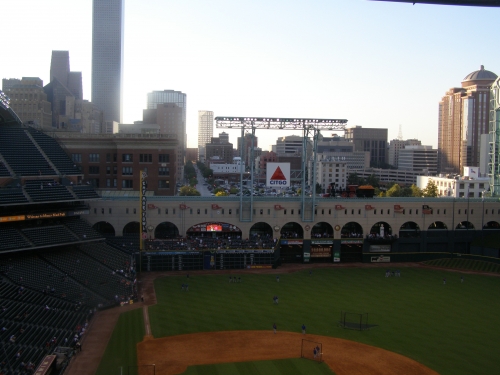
170 107
463 118
107 57
205 132
418 158
373 140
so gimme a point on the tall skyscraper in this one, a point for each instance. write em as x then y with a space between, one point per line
463 118
107 57
205 132
373 140
170 107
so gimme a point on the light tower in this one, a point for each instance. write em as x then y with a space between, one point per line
310 128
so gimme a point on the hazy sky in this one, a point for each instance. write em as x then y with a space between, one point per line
375 64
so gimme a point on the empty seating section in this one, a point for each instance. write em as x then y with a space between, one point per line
108 255
90 273
55 153
43 191
4 172
31 320
11 238
128 244
35 273
85 192
49 235
12 196
82 229
19 151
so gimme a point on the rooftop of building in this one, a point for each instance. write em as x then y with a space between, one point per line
480 75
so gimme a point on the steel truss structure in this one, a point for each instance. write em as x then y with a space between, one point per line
310 128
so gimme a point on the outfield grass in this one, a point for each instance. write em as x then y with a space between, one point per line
297 366
450 328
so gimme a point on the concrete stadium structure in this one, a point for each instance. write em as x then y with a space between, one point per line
348 229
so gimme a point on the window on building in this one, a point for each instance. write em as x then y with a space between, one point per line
108 158
145 158
108 170
94 169
77 158
164 184
461 186
126 210
163 158
127 184
127 158
164 171
94 158
127 171
135 211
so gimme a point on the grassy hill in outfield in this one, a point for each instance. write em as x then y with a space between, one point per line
450 328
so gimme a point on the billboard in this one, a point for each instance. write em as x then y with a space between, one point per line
278 175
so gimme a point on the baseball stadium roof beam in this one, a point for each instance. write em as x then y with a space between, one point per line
309 126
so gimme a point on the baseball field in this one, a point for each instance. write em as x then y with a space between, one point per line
422 324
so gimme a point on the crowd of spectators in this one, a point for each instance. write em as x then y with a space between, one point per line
203 242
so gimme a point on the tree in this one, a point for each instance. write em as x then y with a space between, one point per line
373 181
221 193
406 192
431 190
416 191
394 191
354 179
188 191
319 189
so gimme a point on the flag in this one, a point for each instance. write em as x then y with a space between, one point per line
339 207
215 206
278 207
426 210
398 208
151 206
369 207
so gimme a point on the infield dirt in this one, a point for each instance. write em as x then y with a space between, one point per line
172 355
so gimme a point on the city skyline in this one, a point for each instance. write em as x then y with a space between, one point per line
369 62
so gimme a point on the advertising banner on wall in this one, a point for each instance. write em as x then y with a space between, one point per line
381 259
278 175
336 256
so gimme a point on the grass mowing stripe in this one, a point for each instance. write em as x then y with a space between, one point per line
121 349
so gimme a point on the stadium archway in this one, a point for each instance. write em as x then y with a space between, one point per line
132 228
166 230
214 229
261 230
291 243
437 225
322 230
105 228
410 229
491 225
381 229
351 243
465 225
321 243
380 238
